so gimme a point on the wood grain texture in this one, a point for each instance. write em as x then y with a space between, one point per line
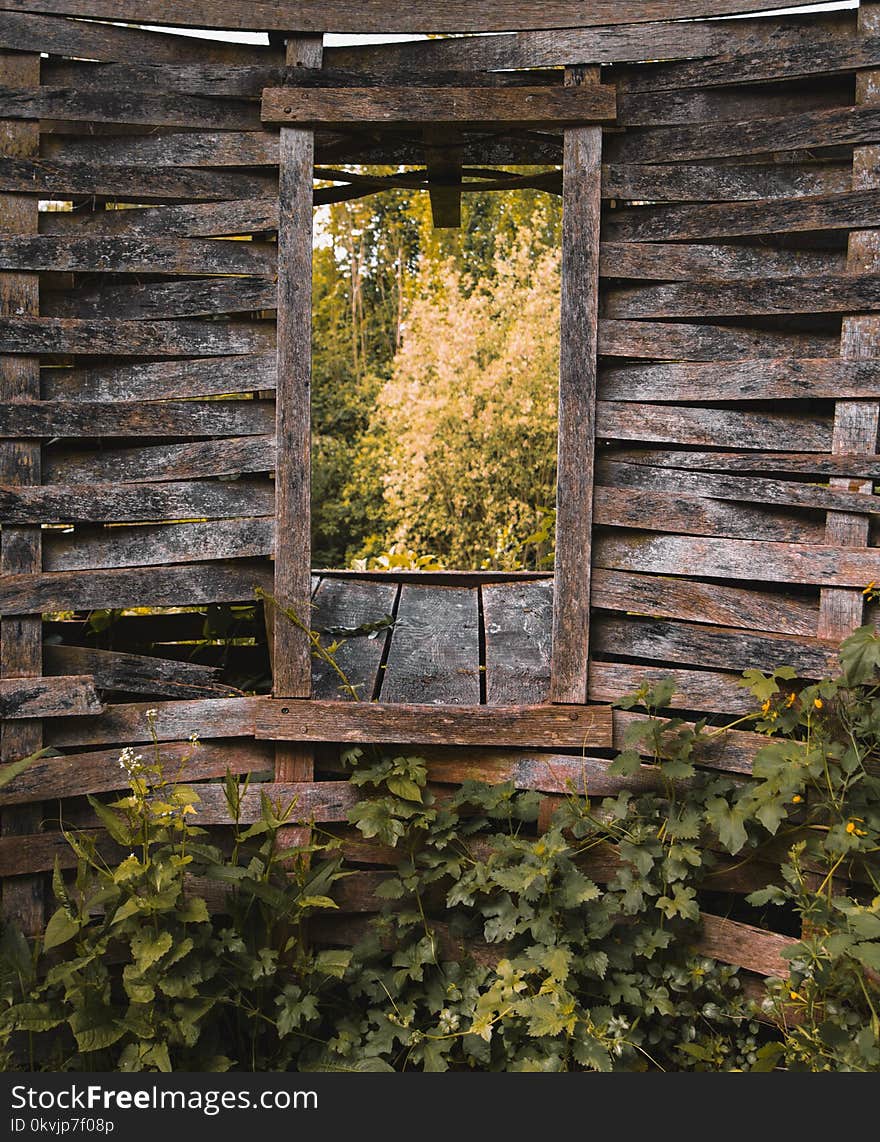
135 673
103 337
174 721
722 181
65 697
206 220
62 419
725 428
856 423
339 608
673 261
518 622
536 726
136 256
194 297
164 380
677 341
579 315
227 456
20 548
434 654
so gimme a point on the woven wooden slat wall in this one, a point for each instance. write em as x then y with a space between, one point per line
735 420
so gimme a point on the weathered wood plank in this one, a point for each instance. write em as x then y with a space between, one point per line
104 41
680 342
707 691
820 212
209 220
443 170
579 317
122 105
231 456
699 515
656 109
793 378
749 489
517 621
164 148
174 721
109 419
385 16
210 376
340 606
741 559
723 428
529 107
164 544
856 423
71 696
852 465
434 654
723 182
62 179
713 648
135 673
198 297
75 775
136 256
125 503
32 335
744 945
838 127
536 726
26 594
709 263
20 549
665 597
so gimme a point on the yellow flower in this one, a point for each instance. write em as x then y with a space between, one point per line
870 587
796 800
852 827
818 703
790 700
796 995
765 706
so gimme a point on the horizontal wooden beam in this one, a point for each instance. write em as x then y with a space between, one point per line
72 695
532 726
462 106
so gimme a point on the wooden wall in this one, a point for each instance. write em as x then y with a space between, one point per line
738 395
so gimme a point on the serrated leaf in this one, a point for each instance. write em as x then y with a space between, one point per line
147 949
626 764
334 961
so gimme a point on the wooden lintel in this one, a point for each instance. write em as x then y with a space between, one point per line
558 727
465 107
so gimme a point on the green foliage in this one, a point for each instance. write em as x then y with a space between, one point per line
498 946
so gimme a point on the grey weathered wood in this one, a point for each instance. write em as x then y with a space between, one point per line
577 726
247 216
837 293
723 428
132 338
291 673
723 182
759 379
662 595
434 654
48 697
123 105
707 690
843 125
136 256
821 212
852 465
20 549
128 722
856 423
135 673
203 79
76 774
581 214
694 262
656 109
531 107
211 376
750 489
741 560
229 456
120 503
26 594
60 178
163 544
712 647
681 342
196 297
699 515
337 606
517 621
164 148
387 16
104 41
165 418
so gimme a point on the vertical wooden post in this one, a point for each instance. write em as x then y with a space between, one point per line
292 661
856 422
21 638
581 213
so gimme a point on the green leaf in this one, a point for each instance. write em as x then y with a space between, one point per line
59 930
112 822
626 764
15 769
860 656
334 961
405 788
728 822
767 1057
147 949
